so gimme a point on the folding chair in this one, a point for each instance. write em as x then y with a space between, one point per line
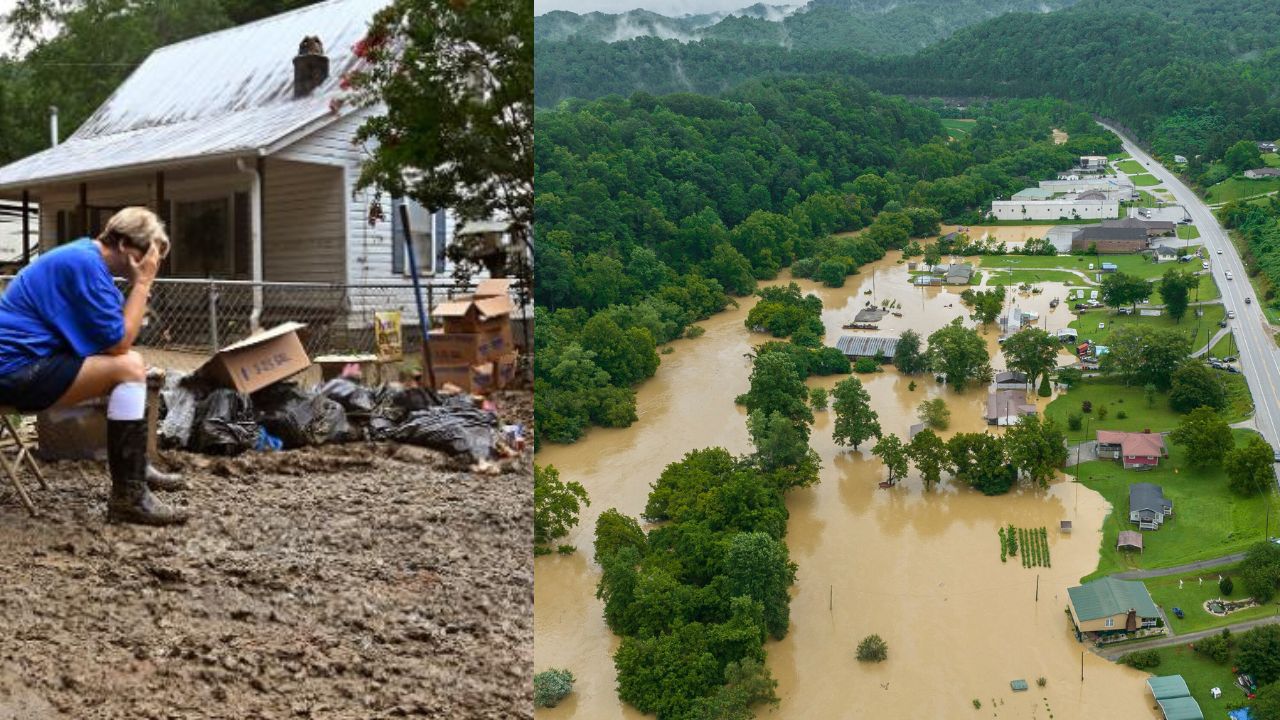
14 451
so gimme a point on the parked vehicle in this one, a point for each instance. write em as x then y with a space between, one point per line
1248 301
1204 265
1177 612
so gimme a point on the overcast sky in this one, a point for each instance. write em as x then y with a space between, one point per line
674 8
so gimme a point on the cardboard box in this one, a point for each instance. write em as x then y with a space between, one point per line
505 369
259 360
474 314
457 349
474 379
495 287
331 366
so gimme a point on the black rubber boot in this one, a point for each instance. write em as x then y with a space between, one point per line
157 480
131 501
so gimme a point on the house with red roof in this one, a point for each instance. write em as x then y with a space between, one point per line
1135 450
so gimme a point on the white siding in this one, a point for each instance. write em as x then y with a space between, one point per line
1053 209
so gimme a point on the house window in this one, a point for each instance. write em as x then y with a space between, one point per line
1109 622
424 229
202 241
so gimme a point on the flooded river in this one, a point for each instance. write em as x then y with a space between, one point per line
921 569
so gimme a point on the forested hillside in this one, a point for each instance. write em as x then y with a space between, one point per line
652 211
877 27
1188 76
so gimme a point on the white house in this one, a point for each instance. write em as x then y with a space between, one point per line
241 140
1093 161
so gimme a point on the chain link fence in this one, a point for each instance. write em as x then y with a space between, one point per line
200 316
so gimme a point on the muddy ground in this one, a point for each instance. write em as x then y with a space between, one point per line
351 581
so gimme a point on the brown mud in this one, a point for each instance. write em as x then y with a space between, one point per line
920 568
346 581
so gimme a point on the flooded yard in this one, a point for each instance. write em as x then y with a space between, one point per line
920 568
1013 235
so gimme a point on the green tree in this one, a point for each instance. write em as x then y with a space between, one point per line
1196 385
1069 376
782 443
907 356
666 674
1119 289
1142 354
1250 469
759 567
551 686
934 413
929 454
1031 351
932 255
980 461
1266 704
1242 156
1258 653
1175 289
457 83
893 454
615 531
555 505
1260 571
855 420
777 387
1036 447
1205 437
873 648
747 683
986 304
629 356
959 354
818 398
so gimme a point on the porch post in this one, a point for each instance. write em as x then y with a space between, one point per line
255 174
162 211
26 228
84 209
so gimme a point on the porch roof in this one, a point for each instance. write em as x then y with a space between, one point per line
227 93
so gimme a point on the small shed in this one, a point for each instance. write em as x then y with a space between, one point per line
1065 526
1129 540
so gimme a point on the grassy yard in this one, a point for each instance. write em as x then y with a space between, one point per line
1134 264
1201 674
1208 289
958 127
1188 232
1193 594
1017 277
1144 180
1271 159
1086 324
1129 167
1113 157
1209 521
1224 347
1239 187
1117 398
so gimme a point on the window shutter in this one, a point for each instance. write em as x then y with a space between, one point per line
397 238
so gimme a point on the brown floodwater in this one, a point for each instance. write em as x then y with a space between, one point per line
920 568
1011 235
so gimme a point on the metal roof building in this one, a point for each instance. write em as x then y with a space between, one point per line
858 346
1109 596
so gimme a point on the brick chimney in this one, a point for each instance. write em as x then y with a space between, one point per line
310 66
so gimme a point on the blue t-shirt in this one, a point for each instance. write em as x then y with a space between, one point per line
64 302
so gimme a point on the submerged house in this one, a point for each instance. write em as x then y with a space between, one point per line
1008 407
241 140
1108 607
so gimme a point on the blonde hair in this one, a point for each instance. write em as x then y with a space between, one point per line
137 228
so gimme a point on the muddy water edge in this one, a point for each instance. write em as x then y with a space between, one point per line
920 568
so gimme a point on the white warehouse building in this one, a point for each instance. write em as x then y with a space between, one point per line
1055 209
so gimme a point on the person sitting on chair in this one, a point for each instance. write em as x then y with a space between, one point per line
66 336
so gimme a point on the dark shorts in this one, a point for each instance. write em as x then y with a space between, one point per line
40 384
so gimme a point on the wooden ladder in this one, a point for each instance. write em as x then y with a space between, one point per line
14 453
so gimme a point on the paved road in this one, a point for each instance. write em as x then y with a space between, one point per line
1161 572
1114 652
1259 356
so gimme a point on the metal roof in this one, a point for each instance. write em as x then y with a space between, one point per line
226 93
867 345
1168 686
1181 708
1108 596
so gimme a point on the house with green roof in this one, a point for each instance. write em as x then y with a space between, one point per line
1109 606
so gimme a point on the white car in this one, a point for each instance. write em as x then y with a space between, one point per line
1219 251
1231 314
1205 265
1228 274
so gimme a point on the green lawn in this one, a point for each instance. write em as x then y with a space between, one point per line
1239 187
1209 519
1271 159
1145 200
1117 398
1144 180
1224 347
957 127
1188 232
1017 277
1134 264
1193 594
1129 167
1200 330
1113 157
1201 675
1208 289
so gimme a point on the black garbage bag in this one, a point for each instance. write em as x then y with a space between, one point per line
300 418
225 424
353 396
467 432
